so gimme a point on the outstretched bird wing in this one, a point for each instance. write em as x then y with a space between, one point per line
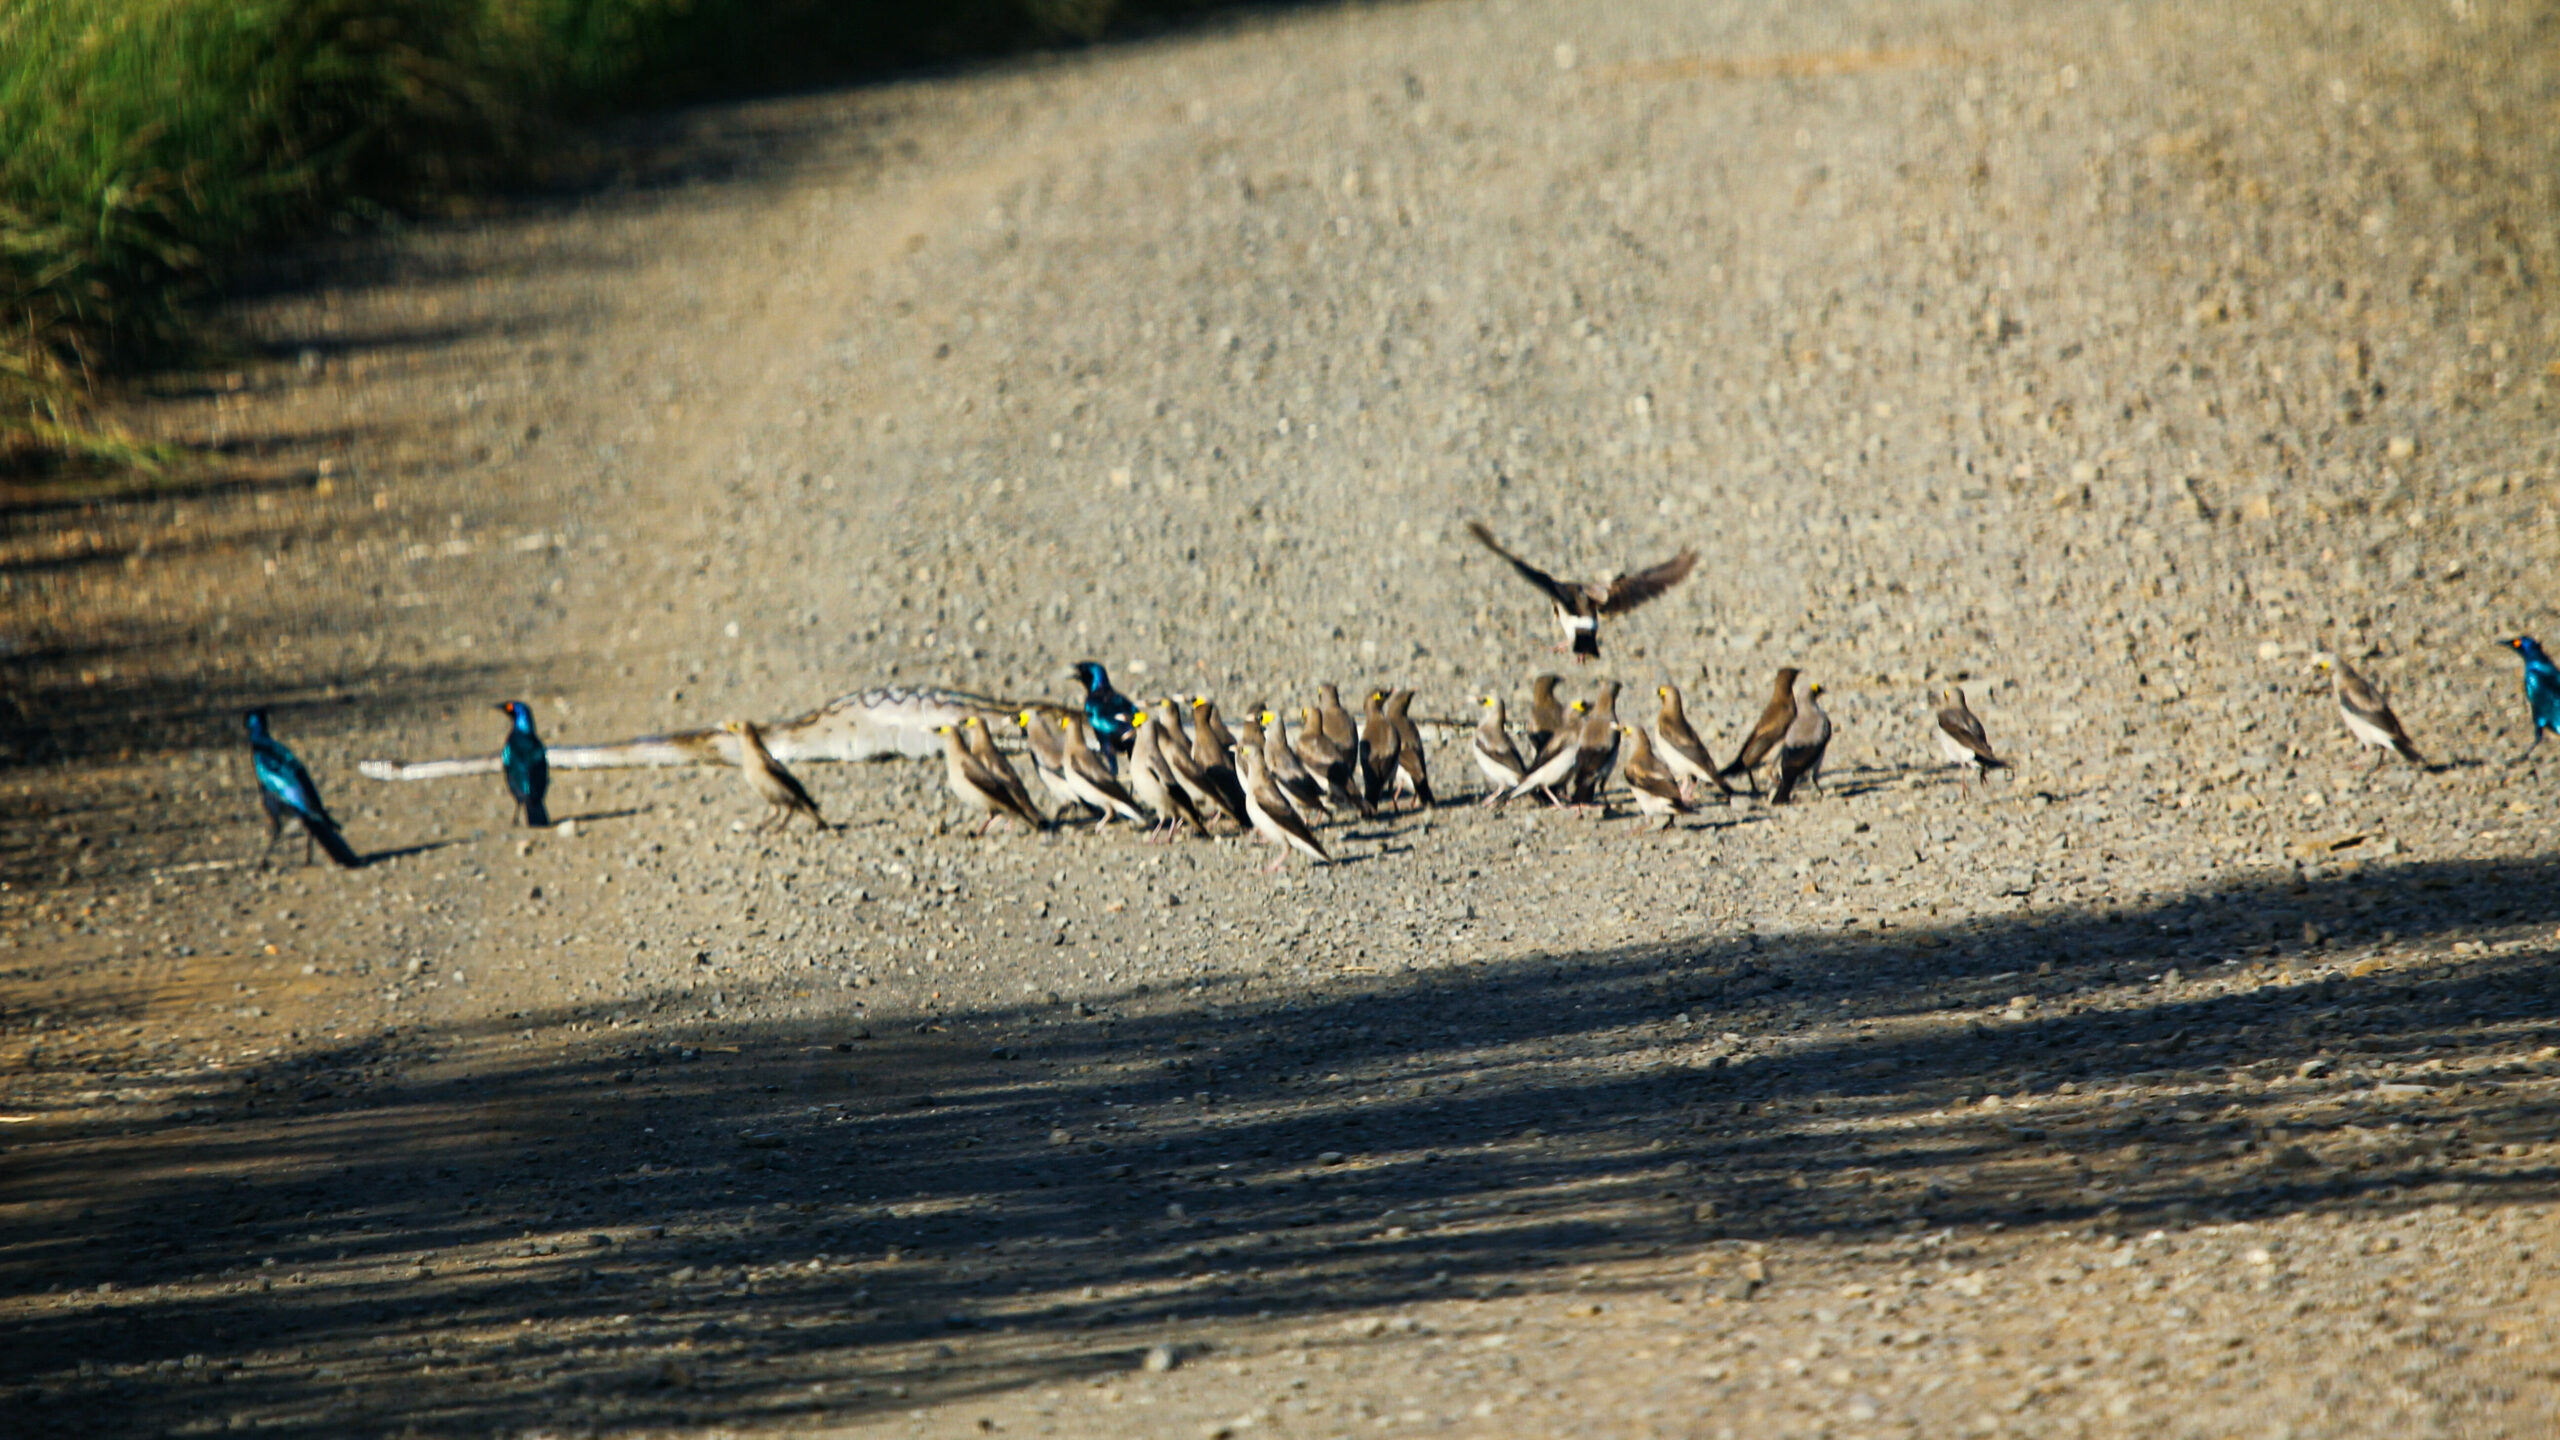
1629 591
1571 597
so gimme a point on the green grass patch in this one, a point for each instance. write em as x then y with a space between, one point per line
145 145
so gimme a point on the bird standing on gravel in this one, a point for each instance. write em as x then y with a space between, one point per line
285 788
1213 748
1379 743
1546 713
1181 756
1048 746
1775 717
978 787
1330 764
526 768
1091 780
1683 753
1800 750
982 748
2541 688
1413 764
1343 733
1961 737
1106 711
1268 810
1654 788
779 787
1554 765
1495 755
1599 748
1579 604
1287 770
2367 712
1152 780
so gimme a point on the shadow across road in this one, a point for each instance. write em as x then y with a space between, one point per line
696 1213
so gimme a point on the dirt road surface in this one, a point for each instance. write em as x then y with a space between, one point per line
2192 1079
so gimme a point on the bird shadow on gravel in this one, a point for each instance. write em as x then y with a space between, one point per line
835 1215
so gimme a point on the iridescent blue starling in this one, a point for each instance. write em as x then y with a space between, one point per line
285 788
2541 687
527 768
1105 709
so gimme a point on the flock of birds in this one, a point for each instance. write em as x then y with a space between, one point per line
1180 768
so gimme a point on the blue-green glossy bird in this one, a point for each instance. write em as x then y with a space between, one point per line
2541 688
527 768
1105 709
285 788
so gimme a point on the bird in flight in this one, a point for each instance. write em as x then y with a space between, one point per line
1579 604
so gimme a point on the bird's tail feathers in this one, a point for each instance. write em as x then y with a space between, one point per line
332 844
536 813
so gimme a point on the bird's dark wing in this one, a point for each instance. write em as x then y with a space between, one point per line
2366 700
1965 730
280 774
1629 591
1568 596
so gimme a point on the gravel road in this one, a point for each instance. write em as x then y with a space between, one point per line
2193 1079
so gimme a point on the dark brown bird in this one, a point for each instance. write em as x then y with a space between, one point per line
1650 783
1800 753
1182 752
1566 738
1496 756
1580 604
1271 815
1962 739
1344 733
1600 740
982 748
1379 744
1288 771
978 787
1213 749
1329 763
1088 778
1546 712
1413 764
1151 779
1774 720
1683 753
1204 720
